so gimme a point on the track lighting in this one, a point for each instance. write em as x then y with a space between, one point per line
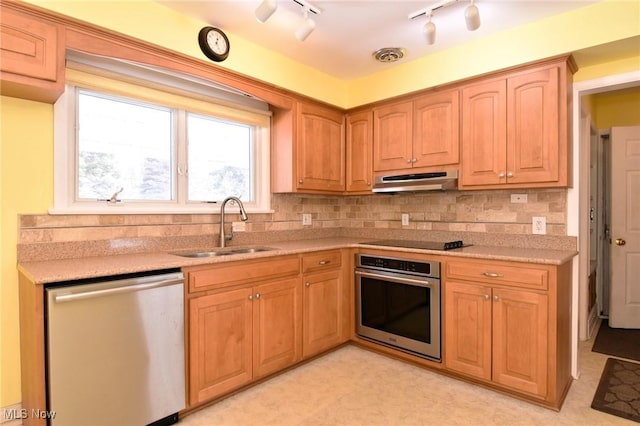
471 17
265 10
307 27
268 8
429 31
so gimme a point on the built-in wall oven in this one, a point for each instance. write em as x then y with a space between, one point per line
398 303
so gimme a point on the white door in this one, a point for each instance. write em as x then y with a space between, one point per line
624 308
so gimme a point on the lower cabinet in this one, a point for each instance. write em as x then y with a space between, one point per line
240 335
503 326
323 300
249 319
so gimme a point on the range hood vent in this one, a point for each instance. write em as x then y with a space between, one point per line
432 181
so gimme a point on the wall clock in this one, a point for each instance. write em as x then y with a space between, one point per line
214 43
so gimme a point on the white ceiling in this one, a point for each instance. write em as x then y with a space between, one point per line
349 31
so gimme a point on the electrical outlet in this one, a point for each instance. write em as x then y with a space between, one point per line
539 225
238 226
306 219
405 219
518 198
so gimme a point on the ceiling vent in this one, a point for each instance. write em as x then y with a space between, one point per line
389 54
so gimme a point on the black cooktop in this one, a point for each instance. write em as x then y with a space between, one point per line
426 245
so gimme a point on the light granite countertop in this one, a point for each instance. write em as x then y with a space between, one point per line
52 271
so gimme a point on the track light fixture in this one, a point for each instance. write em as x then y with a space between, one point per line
471 17
265 10
268 8
307 27
429 31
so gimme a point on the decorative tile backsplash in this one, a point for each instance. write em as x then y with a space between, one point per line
454 211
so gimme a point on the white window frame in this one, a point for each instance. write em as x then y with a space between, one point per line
65 154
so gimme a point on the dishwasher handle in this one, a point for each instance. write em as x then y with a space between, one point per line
61 298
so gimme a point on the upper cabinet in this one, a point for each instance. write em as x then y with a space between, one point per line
308 149
359 151
515 129
420 133
31 57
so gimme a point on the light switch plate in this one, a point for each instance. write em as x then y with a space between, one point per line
539 225
306 218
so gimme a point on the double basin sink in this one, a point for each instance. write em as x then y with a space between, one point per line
230 251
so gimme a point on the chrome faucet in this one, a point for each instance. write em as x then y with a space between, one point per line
243 217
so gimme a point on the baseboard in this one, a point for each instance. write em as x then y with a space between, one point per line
12 415
593 322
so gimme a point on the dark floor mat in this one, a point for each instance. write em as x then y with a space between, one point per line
619 342
619 390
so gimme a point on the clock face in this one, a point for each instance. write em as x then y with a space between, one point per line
217 42
214 43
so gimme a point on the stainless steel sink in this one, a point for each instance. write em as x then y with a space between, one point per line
223 252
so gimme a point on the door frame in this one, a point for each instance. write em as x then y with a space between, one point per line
578 206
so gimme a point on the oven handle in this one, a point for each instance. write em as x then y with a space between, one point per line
402 280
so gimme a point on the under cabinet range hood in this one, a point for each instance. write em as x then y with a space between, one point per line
413 182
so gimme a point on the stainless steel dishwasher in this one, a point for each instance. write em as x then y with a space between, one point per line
115 350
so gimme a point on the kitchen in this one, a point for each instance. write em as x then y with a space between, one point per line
332 213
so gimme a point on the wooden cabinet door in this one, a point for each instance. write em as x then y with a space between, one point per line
467 347
322 312
393 137
320 154
533 125
436 133
31 57
484 133
277 328
220 343
520 340
359 151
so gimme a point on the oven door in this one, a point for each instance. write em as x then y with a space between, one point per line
399 310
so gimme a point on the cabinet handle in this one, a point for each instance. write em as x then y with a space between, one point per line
300 180
257 295
509 174
251 297
307 284
496 298
368 183
408 160
414 160
501 175
492 275
485 296
324 262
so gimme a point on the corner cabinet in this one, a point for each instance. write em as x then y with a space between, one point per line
508 324
325 302
31 56
359 151
516 129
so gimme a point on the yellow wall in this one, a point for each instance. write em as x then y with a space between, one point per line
619 108
26 186
26 154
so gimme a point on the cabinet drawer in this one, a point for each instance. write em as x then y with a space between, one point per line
321 261
233 273
506 273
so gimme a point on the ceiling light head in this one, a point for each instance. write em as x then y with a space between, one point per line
472 17
265 10
307 27
429 31
389 54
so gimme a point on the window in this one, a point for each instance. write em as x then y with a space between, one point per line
129 145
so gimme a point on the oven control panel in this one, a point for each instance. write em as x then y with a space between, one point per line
426 268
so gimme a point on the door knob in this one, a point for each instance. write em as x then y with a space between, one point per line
620 242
